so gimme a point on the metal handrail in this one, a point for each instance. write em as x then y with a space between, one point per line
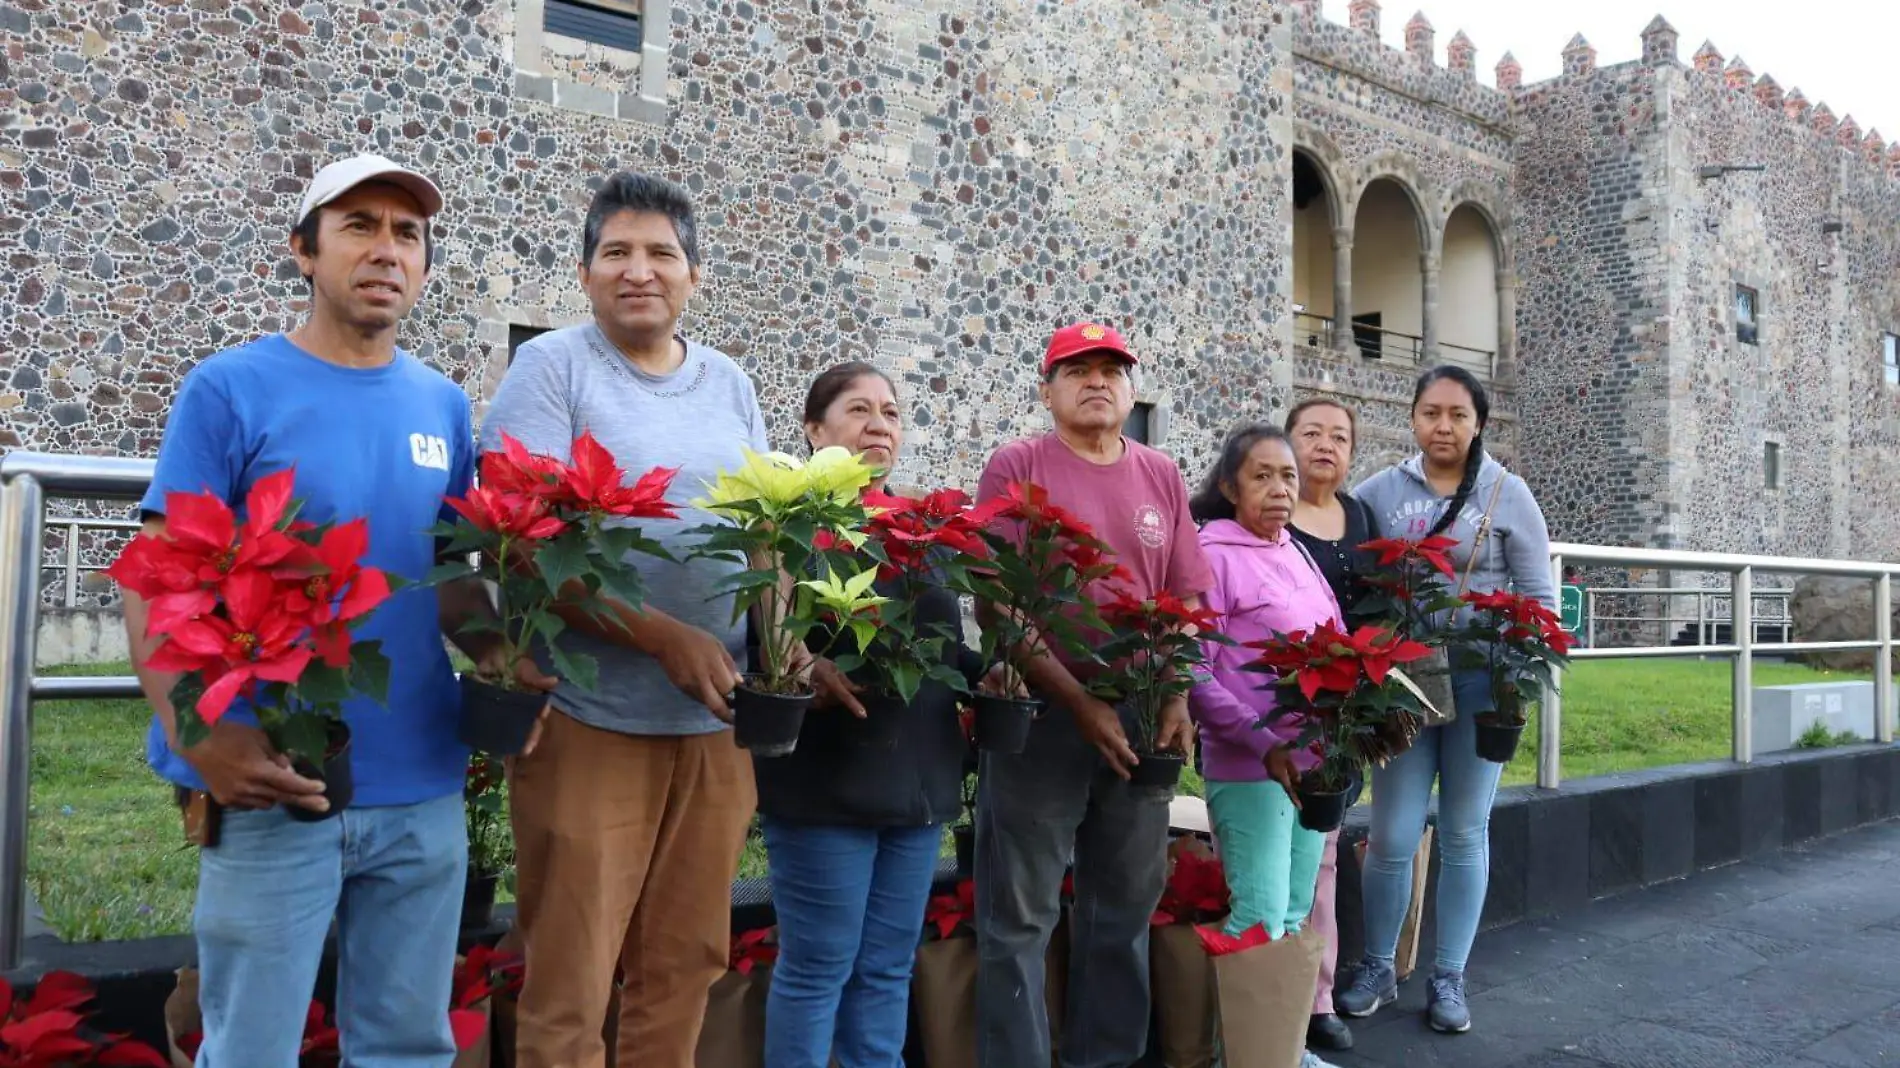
1741 569
1487 359
28 479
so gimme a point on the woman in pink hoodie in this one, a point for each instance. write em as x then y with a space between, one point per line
1264 584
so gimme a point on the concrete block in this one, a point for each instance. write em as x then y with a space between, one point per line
1783 713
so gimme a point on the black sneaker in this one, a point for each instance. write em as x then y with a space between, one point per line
1329 1032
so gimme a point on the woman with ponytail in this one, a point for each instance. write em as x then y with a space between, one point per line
1451 487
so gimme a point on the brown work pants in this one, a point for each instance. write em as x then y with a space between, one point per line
626 848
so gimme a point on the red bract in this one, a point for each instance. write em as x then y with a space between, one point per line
1196 891
43 1031
946 913
513 469
752 949
254 641
319 1034
1433 550
515 515
339 588
595 483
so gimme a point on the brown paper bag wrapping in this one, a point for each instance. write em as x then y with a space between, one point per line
181 1015
1265 997
733 1035
943 988
1184 998
1405 959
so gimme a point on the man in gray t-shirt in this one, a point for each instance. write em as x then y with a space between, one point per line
631 807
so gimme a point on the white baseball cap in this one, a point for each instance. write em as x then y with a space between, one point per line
346 174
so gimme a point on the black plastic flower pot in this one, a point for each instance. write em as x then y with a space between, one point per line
339 782
478 900
883 721
1158 769
1324 810
497 721
964 836
1497 742
1002 723
767 724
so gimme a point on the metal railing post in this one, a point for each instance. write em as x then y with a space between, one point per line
1550 724
72 565
1742 622
21 532
1883 659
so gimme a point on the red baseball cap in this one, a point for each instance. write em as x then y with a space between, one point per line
1082 339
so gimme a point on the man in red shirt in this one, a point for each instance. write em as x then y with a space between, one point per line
1067 795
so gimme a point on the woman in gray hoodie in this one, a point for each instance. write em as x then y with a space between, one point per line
1452 488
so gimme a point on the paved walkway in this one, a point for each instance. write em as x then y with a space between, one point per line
1789 960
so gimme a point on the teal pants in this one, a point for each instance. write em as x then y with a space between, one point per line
1272 862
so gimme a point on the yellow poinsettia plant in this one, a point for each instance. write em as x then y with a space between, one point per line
785 519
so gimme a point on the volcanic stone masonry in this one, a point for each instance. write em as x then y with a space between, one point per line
934 188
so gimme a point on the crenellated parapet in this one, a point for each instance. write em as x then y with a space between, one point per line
1416 71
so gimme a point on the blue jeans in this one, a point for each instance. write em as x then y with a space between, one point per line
1035 810
1401 792
392 877
850 904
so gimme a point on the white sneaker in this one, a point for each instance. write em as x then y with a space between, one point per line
1309 1059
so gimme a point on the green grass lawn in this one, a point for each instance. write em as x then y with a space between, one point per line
107 858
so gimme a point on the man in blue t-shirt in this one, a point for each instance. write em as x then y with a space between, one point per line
371 432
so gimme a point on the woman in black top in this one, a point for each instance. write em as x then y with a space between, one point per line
853 818
1331 524
1327 520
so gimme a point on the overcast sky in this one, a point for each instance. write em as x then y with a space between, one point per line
1838 51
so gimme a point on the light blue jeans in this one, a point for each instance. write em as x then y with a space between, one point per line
850 904
393 879
1401 792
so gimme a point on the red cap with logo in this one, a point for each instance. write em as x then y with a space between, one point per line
1082 339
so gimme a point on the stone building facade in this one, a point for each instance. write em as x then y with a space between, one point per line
1273 205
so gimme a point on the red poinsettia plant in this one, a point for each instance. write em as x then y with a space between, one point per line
1520 643
951 914
1410 585
552 534
915 542
1153 651
477 978
48 1030
1041 564
259 609
752 950
1353 709
1196 890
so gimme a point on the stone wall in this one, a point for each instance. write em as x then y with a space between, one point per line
1647 415
876 179
1592 344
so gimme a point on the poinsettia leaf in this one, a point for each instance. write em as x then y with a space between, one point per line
306 736
577 668
369 670
560 561
321 684
450 571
